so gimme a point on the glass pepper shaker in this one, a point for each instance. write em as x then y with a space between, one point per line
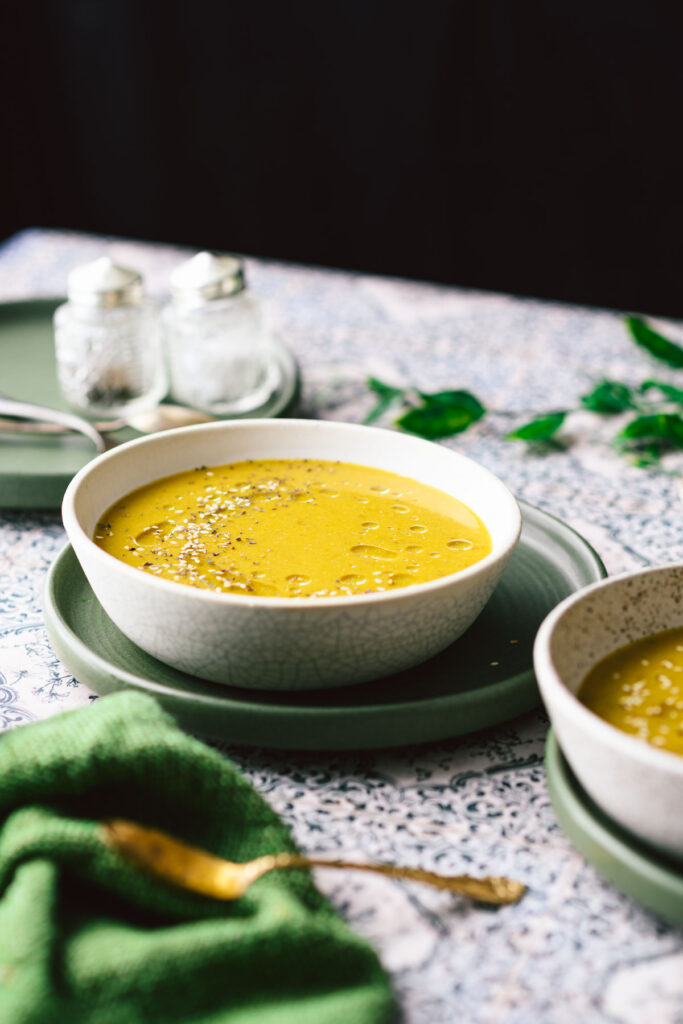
216 338
108 342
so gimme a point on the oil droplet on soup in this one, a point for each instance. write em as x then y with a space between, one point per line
292 528
639 689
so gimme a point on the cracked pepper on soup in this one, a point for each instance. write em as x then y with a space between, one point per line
293 528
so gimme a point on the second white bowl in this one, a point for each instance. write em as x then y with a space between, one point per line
638 785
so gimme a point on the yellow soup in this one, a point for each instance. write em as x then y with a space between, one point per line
293 528
639 689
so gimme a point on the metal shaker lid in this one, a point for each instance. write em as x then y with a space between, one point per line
101 283
206 277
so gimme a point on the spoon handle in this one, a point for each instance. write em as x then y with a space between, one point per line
164 416
12 426
492 889
14 409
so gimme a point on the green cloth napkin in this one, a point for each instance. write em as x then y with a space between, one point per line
86 937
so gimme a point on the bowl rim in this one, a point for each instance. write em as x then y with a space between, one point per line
551 682
73 526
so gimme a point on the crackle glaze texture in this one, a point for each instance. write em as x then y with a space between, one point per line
574 949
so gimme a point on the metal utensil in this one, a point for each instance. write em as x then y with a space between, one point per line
201 872
15 410
53 421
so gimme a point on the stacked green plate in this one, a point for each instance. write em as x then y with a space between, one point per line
649 877
482 679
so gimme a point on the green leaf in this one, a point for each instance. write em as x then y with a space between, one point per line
646 431
668 390
380 408
387 396
434 420
656 344
455 400
540 429
609 397
442 414
382 389
648 456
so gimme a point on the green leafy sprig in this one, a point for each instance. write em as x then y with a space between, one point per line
433 416
656 426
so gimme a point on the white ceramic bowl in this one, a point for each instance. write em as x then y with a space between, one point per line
287 643
639 786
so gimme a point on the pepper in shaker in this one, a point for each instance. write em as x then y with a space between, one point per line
216 338
108 342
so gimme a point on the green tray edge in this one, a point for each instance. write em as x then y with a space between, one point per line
26 492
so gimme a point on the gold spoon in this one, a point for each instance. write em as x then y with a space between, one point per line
201 872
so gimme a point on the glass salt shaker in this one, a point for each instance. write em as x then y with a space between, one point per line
108 342
216 338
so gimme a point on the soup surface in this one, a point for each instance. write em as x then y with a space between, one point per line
639 688
293 528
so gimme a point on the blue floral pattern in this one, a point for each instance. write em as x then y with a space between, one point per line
574 949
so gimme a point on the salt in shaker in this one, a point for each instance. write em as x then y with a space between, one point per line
216 337
108 342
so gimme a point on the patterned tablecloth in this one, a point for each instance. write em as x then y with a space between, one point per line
574 949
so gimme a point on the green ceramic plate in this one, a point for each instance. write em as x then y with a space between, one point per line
35 471
482 679
649 877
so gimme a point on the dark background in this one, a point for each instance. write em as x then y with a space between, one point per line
534 147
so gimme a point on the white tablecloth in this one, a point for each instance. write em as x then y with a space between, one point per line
574 949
